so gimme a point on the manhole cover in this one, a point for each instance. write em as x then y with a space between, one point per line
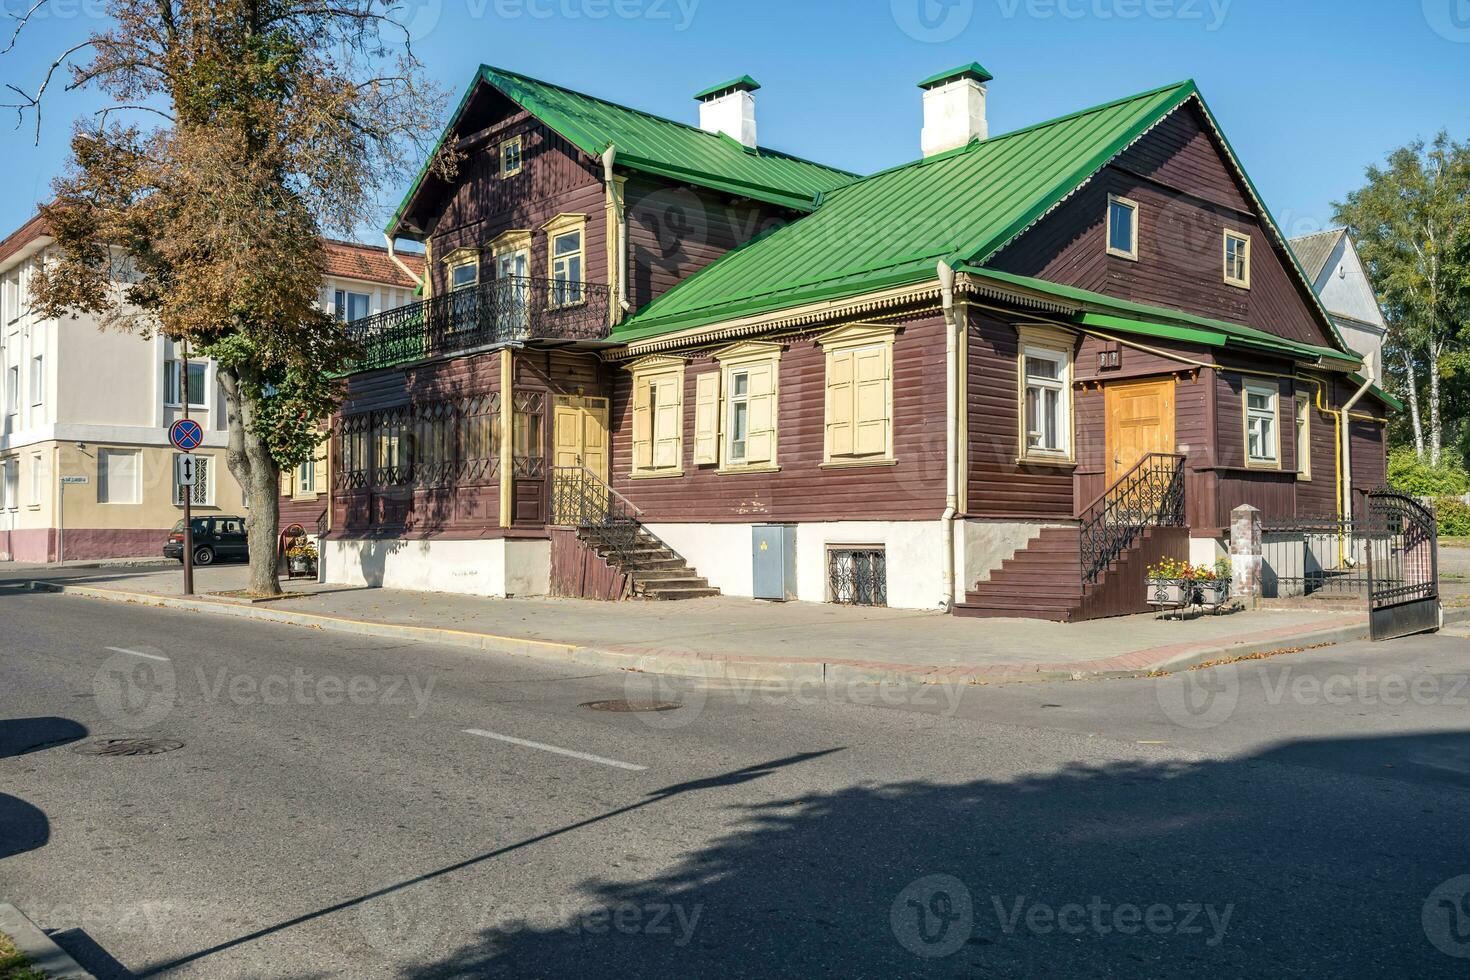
626 705
129 746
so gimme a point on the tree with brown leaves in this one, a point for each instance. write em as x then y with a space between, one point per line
237 131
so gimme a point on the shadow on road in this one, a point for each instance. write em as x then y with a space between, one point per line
1264 866
19 736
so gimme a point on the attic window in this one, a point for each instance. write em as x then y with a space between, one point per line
1122 228
510 157
1238 259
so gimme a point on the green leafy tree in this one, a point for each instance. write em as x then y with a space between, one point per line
1407 221
236 131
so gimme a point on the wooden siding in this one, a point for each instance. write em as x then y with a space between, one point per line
1187 198
555 179
676 230
579 572
802 490
999 486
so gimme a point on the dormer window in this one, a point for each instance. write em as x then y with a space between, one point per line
1122 228
510 157
1238 259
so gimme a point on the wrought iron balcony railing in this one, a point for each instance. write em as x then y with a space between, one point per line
505 309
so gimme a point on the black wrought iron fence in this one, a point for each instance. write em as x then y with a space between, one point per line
1149 495
505 309
1307 556
858 576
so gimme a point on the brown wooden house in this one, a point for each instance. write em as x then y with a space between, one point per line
663 360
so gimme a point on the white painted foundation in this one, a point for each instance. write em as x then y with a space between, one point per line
1206 551
498 568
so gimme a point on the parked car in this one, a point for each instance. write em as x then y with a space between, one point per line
215 539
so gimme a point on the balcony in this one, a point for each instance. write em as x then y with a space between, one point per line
505 309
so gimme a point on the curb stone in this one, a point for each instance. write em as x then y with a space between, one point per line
36 946
739 669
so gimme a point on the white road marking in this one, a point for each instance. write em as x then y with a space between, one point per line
136 653
552 748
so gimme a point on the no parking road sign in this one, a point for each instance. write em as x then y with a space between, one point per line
186 435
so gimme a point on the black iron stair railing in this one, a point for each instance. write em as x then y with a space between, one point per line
582 499
1149 495
497 311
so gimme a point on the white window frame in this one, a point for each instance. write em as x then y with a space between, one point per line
173 387
305 483
12 389
1303 422
461 258
104 481
1243 281
741 359
1049 346
566 289
735 400
342 304
38 379
11 296
514 143
1132 252
37 487
203 495
1249 415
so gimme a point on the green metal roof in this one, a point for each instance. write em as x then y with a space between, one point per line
744 83
892 228
973 70
653 145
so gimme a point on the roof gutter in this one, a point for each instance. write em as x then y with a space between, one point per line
392 255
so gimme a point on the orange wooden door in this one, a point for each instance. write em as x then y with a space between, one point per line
1140 420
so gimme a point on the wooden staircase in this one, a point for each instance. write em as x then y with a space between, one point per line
1095 568
654 570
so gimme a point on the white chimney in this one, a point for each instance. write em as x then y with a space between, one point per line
729 108
954 108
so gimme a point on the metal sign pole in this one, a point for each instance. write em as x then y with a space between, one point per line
189 490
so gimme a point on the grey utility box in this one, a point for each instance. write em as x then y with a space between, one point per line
773 561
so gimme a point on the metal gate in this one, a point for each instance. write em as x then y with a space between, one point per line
1402 541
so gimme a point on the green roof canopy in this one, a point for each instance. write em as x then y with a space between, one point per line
653 145
973 70
743 84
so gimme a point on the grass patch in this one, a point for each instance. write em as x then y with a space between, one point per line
1452 542
13 965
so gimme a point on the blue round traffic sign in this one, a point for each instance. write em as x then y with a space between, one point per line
186 435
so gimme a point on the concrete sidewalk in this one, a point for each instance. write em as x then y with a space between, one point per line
739 639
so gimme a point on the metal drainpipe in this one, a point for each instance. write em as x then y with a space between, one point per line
609 157
1345 437
951 430
393 255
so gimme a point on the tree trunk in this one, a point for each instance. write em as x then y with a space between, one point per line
255 469
1436 426
1411 386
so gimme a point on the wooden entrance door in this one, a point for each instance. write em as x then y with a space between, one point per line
579 441
1140 420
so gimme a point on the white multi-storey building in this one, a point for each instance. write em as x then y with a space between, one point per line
86 469
1331 262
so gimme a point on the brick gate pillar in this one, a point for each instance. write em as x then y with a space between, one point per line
1245 554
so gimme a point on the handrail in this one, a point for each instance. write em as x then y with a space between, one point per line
597 479
1151 494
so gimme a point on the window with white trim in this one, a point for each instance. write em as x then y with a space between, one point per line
566 239
1303 437
349 306
464 274
38 379
38 479
510 157
1261 425
306 478
10 298
1238 259
747 413
10 483
201 494
658 419
12 389
118 473
173 395
1046 402
1122 227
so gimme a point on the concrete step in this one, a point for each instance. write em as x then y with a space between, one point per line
669 593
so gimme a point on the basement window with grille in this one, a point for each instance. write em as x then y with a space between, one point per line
857 576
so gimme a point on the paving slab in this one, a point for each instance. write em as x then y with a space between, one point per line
745 639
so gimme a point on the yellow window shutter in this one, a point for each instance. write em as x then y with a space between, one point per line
668 421
707 418
642 424
839 403
760 445
871 401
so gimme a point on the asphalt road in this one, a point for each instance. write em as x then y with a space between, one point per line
348 807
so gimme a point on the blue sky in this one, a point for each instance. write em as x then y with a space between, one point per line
1309 91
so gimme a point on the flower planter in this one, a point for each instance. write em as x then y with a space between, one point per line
1168 592
1212 593
302 566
